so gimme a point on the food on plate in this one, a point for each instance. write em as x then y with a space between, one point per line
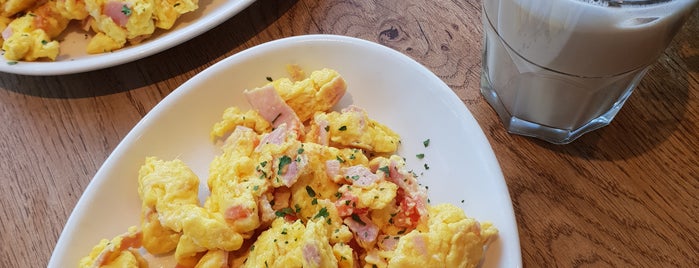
30 27
297 184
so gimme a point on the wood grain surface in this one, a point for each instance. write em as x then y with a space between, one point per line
621 196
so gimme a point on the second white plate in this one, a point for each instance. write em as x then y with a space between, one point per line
74 59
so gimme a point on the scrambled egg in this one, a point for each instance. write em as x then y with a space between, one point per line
29 26
331 194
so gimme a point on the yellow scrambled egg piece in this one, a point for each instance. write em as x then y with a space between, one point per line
11 7
118 252
317 93
453 240
293 245
353 128
233 117
29 26
110 35
278 199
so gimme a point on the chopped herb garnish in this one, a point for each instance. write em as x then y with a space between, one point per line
11 62
269 79
401 231
426 166
385 170
284 232
314 201
126 10
342 128
355 177
252 247
322 213
462 200
340 159
356 218
44 42
310 191
256 187
352 157
327 128
426 142
283 212
298 208
338 194
283 161
299 151
263 163
420 156
176 5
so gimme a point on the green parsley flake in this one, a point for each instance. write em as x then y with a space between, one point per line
11 62
269 79
314 201
420 156
427 167
322 213
283 212
385 170
263 163
126 10
310 191
342 128
426 142
300 151
283 161
356 218
256 187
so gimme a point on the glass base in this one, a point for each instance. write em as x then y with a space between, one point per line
539 102
553 135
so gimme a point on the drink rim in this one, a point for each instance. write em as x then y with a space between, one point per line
622 3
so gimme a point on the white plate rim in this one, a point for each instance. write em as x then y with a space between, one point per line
484 150
165 41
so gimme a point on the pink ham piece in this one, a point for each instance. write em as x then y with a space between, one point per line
277 136
388 242
7 33
266 212
292 171
346 204
311 255
118 11
365 230
360 176
323 135
332 169
272 108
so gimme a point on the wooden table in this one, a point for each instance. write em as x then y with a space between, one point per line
622 196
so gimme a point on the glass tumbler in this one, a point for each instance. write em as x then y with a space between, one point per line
556 70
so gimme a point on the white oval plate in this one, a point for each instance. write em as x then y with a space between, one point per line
74 59
393 88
